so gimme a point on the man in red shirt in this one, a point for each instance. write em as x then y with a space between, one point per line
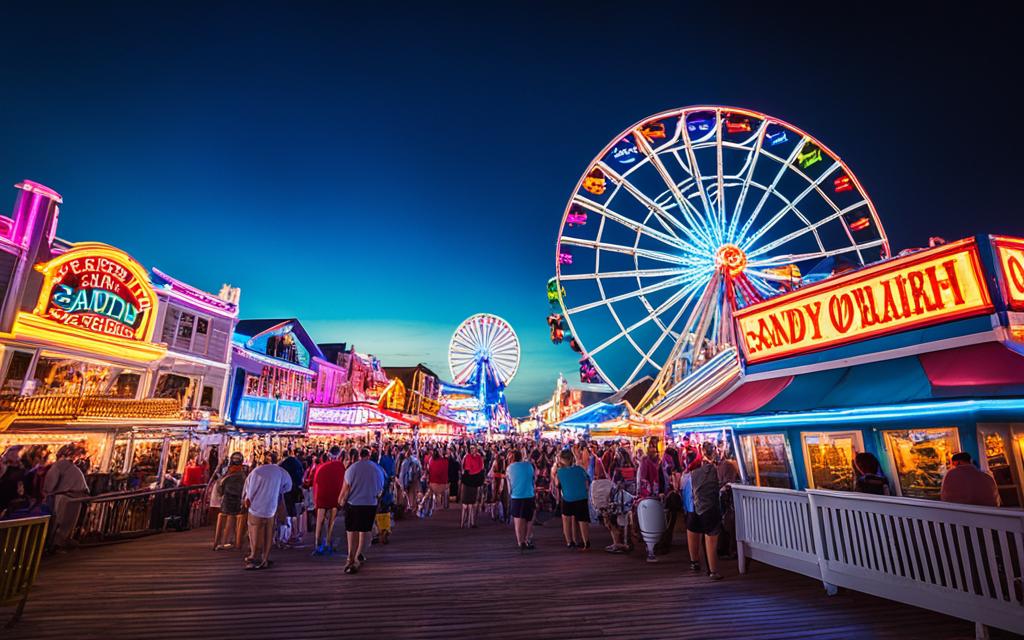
967 484
327 483
437 482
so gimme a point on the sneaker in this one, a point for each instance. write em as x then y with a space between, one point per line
571 545
695 567
529 545
715 575
319 551
361 558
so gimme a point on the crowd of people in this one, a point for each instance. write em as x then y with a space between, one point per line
280 498
33 485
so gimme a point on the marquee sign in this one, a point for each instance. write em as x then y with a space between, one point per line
98 289
1010 252
927 288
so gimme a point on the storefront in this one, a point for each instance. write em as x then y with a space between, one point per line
85 351
911 360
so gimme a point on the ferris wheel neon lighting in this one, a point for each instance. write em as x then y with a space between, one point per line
488 339
693 212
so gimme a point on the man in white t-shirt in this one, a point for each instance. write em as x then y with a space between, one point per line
264 487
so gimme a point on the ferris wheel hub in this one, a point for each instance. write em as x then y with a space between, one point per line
731 260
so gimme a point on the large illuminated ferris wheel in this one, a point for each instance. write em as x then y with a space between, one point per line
688 215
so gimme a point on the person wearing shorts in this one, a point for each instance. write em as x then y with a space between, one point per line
264 487
571 480
437 482
521 480
364 482
706 520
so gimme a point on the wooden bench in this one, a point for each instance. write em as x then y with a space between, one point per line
21 549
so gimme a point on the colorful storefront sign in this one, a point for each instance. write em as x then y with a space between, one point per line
926 288
1010 252
254 411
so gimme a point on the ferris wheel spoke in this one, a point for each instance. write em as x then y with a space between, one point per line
658 286
634 225
783 168
720 183
670 182
791 206
632 273
754 155
664 306
647 357
666 219
618 248
802 231
691 158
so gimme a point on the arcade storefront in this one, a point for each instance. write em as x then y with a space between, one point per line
912 359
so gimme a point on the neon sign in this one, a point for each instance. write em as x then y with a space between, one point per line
98 289
1011 259
926 288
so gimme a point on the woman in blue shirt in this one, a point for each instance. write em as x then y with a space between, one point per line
572 482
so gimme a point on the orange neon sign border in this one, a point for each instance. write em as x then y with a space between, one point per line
851 280
1013 302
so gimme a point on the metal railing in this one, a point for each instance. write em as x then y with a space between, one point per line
960 560
21 549
125 515
72 406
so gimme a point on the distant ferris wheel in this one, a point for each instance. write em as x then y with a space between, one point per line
692 213
484 341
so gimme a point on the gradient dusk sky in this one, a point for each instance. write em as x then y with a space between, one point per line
382 171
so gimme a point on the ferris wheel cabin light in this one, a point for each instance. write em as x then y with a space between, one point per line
690 214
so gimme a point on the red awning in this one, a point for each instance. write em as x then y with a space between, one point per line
748 397
978 368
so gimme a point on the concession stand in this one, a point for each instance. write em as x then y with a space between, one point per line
912 359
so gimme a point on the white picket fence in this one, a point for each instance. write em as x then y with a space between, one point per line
960 560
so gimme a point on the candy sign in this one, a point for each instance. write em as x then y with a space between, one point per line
926 288
1011 259
98 289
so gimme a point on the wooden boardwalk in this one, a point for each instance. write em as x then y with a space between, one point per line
437 581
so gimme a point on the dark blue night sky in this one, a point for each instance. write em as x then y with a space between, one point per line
382 171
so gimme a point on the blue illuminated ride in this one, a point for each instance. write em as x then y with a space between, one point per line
483 357
683 218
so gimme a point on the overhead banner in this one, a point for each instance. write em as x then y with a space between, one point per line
1011 260
926 288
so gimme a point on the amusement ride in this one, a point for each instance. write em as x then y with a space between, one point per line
483 357
687 216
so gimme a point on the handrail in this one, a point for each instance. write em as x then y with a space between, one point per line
92 406
962 560
131 514
21 549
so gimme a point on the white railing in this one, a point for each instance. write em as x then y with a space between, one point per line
960 560
774 526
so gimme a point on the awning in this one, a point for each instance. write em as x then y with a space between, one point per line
594 414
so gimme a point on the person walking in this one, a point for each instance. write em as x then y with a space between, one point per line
572 483
411 474
705 523
437 484
472 480
231 515
293 499
328 481
364 482
64 482
263 492
521 480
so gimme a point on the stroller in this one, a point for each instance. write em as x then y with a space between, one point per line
614 505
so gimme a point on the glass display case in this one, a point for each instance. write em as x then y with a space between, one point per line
829 459
920 458
998 459
767 460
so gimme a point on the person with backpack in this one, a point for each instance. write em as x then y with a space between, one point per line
231 519
410 474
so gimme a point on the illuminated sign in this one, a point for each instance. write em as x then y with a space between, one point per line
429 406
926 288
98 289
1011 259
352 415
254 411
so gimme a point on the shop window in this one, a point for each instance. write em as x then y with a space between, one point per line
920 458
17 369
998 461
767 460
829 458
191 332
202 338
68 376
126 385
170 385
206 400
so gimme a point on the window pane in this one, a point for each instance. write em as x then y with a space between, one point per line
767 461
206 402
170 385
16 372
999 466
126 385
921 457
830 459
183 338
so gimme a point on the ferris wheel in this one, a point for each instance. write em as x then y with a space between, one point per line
483 341
688 215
